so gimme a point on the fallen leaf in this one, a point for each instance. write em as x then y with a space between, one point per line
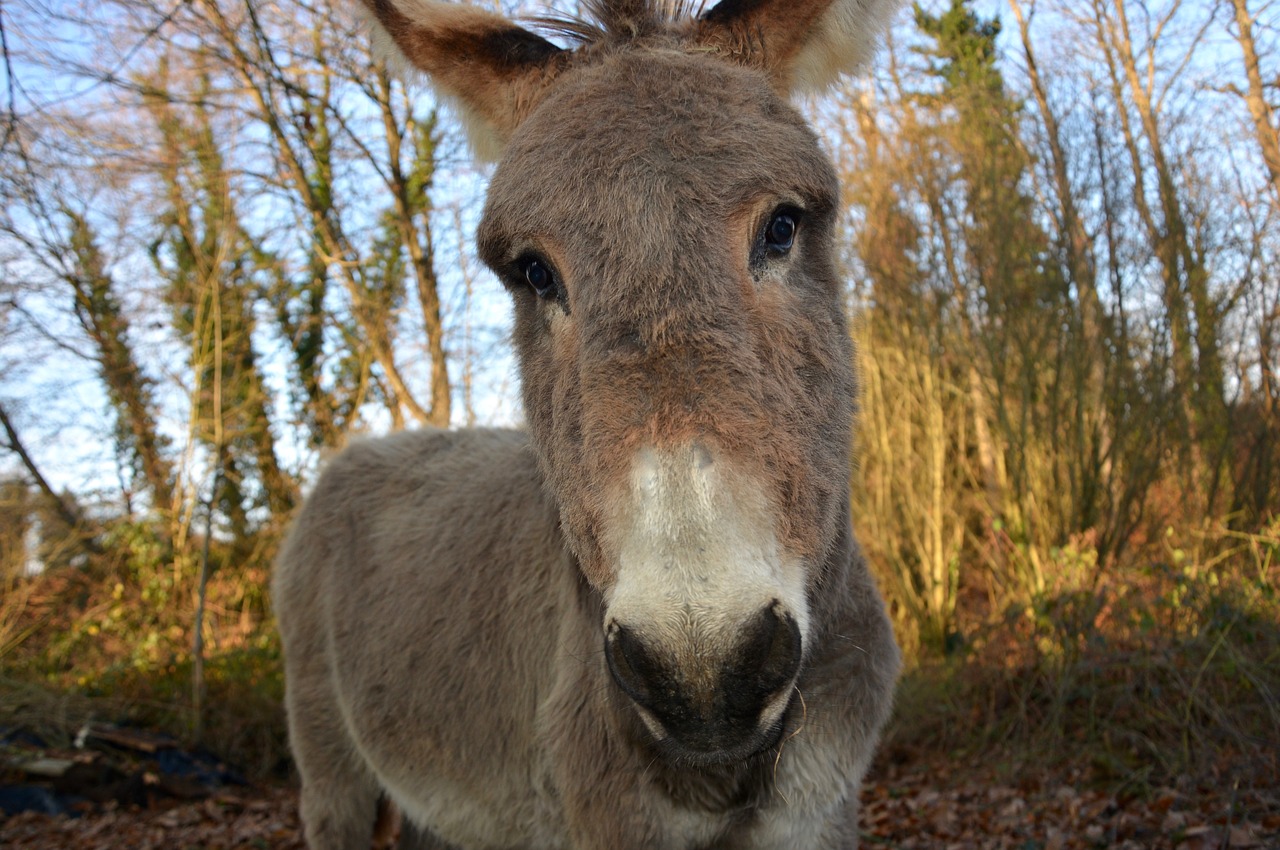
1243 836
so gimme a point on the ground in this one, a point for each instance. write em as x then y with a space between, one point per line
937 805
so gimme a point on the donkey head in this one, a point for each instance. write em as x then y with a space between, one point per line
664 219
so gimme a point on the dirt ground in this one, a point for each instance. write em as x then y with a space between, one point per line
903 807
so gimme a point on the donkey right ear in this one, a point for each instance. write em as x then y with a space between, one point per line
804 45
491 68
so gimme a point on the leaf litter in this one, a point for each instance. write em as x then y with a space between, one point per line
902 807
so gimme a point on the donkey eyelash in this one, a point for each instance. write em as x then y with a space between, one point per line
533 273
776 234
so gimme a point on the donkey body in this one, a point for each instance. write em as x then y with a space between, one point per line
646 623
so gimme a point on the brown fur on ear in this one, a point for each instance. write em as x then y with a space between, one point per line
491 68
805 45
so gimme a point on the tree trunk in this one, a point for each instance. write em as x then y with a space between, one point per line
1264 125
99 313
335 243
409 212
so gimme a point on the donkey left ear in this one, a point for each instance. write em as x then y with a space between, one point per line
804 45
492 69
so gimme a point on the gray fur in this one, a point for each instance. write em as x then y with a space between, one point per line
442 595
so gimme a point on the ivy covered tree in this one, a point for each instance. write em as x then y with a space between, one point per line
215 274
142 450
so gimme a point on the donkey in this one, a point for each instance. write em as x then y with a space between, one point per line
645 623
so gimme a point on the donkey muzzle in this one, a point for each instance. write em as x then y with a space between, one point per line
708 706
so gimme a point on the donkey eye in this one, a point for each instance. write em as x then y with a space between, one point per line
780 234
538 275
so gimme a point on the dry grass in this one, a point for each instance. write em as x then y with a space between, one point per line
1171 676
1136 676
109 644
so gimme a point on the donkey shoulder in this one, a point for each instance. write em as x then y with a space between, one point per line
396 500
402 471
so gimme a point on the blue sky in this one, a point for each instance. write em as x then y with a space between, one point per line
55 395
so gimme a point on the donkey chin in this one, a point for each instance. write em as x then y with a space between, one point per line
705 624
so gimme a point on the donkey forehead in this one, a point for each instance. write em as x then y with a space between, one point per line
649 142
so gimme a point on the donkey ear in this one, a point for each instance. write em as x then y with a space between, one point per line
805 45
491 68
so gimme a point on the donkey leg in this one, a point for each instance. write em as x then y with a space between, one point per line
339 794
413 837
337 816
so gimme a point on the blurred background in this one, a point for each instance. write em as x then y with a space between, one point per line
230 241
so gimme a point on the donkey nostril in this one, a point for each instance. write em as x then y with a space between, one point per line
773 650
633 667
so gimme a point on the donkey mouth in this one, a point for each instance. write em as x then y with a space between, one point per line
719 743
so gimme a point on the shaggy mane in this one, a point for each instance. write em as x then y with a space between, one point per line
619 20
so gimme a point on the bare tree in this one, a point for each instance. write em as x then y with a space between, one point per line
1265 129
1194 315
